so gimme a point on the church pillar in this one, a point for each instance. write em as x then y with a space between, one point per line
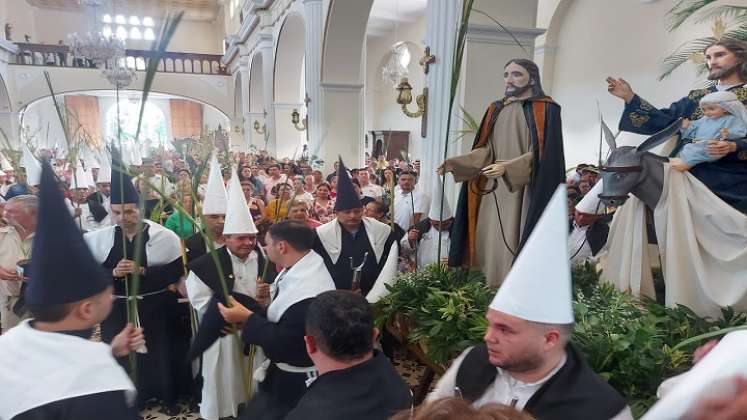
314 13
268 80
442 18
288 140
246 118
342 136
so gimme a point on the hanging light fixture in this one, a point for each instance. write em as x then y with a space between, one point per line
95 45
120 76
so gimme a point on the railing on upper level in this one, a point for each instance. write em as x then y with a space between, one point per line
170 62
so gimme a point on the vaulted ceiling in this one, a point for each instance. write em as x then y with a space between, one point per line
204 10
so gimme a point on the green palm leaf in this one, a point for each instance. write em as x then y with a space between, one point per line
721 11
684 9
682 54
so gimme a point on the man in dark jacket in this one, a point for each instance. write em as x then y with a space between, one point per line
355 382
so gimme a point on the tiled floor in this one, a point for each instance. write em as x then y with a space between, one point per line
409 368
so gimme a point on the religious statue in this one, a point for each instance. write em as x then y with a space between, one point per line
515 165
8 29
726 60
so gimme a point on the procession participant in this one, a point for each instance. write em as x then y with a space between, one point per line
519 148
527 360
85 212
589 231
408 202
214 212
280 332
726 60
355 381
422 241
16 241
353 245
68 295
162 369
224 366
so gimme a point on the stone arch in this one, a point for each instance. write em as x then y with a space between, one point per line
342 80
256 85
288 83
6 112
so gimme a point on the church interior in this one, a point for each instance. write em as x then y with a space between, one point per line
401 87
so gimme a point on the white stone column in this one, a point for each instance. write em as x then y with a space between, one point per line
246 122
268 79
314 11
442 19
342 136
288 139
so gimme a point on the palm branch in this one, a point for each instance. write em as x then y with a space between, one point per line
721 11
684 9
684 53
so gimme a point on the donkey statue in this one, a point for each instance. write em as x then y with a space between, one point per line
702 239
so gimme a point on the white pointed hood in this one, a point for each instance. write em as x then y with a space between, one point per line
538 287
32 166
591 204
238 218
216 199
82 179
5 164
105 168
435 210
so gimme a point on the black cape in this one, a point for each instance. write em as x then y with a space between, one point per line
371 390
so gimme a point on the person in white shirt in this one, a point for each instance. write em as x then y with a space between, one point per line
274 178
367 188
408 203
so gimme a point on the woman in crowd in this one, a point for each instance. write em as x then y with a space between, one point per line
323 205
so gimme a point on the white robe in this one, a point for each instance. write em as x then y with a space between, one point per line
224 366
702 244
428 246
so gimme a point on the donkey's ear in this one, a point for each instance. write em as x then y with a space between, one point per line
662 136
608 136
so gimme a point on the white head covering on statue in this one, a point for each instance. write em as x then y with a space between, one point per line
238 217
538 287
216 199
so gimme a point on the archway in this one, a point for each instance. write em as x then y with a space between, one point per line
342 80
289 88
257 112
6 116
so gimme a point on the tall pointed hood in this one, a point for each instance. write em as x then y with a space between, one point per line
435 210
105 169
123 192
62 269
238 217
82 179
216 199
591 203
347 197
538 287
32 166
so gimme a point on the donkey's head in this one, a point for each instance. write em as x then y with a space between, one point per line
627 167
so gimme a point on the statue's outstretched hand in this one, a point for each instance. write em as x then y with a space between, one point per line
620 88
440 170
495 170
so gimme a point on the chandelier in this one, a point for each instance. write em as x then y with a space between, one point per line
94 45
120 76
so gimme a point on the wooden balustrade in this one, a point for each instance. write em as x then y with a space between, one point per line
169 62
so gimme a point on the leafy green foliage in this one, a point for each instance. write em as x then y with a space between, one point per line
630 342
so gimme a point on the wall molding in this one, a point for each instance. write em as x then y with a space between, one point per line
490 34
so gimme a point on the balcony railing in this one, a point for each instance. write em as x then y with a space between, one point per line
170 62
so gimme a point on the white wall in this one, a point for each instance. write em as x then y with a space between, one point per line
381 109
629 39
48 26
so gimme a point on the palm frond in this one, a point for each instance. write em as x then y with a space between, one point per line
469 121
158 48
683 10
682 54
720 11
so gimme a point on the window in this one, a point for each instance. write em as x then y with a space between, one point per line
129 27
153 129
